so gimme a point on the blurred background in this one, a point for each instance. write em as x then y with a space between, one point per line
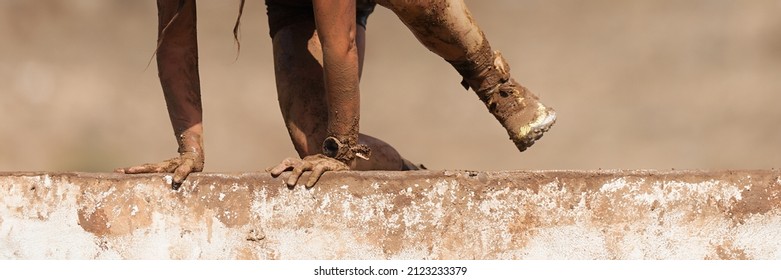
638 84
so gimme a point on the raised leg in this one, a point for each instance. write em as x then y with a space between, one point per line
447 28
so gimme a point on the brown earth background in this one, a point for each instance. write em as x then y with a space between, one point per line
637 85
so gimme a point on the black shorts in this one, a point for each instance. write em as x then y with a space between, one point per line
282 13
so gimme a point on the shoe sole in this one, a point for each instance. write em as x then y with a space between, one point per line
536 129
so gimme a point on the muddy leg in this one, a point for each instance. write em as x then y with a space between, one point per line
301 94
446 28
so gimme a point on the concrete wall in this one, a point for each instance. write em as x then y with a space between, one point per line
395 215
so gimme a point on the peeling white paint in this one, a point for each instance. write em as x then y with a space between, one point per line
646 193
347 209
755 229
447 218
565 242
411 216
95 201
23 236
47 181
133 210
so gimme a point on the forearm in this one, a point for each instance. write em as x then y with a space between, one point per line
177 61
342 95
336 29
183 99
182 93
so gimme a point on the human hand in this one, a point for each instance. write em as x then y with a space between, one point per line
181 166
318 164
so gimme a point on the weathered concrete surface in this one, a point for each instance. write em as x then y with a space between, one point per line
395 215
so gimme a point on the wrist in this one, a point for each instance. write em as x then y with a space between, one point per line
345 150
190 142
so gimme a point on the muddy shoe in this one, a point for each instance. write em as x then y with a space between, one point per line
520 112
517 109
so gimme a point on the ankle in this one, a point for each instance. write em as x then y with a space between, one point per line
483 71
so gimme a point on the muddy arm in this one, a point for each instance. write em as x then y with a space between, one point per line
177 62
336 29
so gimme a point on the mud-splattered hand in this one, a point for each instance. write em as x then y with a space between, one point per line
190 159
318 164
181 166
